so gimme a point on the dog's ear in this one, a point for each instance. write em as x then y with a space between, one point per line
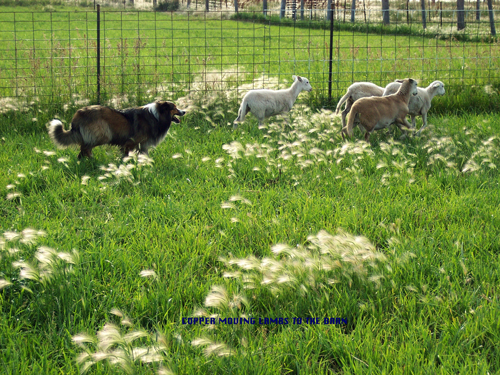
166 105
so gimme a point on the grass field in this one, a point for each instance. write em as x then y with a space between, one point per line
202 228
102 259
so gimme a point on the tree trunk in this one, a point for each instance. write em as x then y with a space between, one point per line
236 6
422 5
385 12
207 6
478 10
492 21
460 15
353 11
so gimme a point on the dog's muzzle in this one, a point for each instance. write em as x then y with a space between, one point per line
179 113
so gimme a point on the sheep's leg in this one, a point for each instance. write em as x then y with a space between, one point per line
367 136
404 122
345 133
413 124
347 109
424 120
244 109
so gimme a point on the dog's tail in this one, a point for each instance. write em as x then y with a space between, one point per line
61 137
342 101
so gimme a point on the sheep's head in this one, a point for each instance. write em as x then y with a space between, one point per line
438 87
303 82
413 84
408 84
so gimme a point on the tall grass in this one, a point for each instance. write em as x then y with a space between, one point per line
398 238
286 223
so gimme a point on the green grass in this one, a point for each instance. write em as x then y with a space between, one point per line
246 223
419 292
478 32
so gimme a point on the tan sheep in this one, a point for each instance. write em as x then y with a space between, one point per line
376 113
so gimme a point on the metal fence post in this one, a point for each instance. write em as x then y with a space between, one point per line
98 54
492 18
331 54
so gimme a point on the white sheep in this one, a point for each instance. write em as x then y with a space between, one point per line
421 103
357 91
264 103
376 113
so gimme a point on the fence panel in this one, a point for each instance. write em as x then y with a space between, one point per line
52 57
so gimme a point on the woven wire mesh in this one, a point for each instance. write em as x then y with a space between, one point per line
51 57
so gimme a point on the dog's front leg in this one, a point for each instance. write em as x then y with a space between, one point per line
134 143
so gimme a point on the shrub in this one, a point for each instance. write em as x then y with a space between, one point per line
167 6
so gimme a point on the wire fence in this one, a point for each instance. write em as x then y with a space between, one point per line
58 57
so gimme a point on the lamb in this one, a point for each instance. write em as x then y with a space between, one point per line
357 91
264 103
376 113
420 104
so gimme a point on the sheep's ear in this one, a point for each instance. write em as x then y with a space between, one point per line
436 84
294 77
